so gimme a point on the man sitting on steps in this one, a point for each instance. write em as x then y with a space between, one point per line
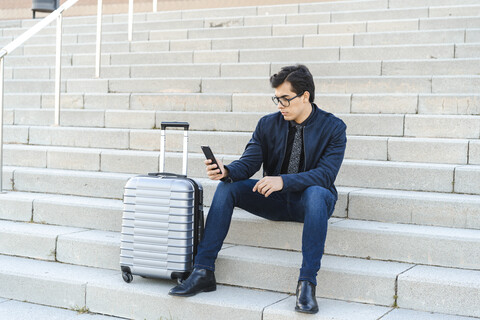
301 149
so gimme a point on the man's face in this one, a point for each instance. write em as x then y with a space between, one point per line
299 107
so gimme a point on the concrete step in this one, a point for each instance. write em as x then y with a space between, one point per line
389 206
76 183
105 160
399 176
69 211
386 38
357 125
69 101
284 312
72 48
354 173
413 3
48 283
51 284
150 21
241 303
467 66
408 24
21 86
31 240
426 294
335 271
336 103
45 117
437 151
405 243
148 140
391 52
233 142
441 104
426 245
283 264
68 182
428 177
143 139
172 42
373 84
330 85
320 18
16 310
343 53
275 15
382 52
396 38
411 207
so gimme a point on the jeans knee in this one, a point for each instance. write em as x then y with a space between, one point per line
230 186
226 190
316 193
317 197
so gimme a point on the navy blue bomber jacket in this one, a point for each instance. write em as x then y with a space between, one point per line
324 140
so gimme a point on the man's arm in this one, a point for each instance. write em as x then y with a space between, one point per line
251 159
325 173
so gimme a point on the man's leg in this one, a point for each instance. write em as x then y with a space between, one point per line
227 196
314 206
318 204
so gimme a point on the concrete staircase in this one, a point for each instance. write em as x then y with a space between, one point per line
404 240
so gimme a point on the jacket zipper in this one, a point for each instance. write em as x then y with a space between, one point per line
304 151
284 151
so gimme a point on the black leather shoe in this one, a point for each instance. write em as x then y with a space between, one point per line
306 301
201 280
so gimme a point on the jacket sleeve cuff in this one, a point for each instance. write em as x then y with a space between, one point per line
286 182
227 179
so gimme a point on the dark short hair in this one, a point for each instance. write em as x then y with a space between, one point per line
299 77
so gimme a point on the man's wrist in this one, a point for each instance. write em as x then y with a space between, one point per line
226 178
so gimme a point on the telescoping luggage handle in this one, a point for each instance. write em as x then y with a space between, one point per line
185 126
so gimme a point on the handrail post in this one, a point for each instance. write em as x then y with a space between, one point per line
130 20
1 123
58 69
155 5
99 39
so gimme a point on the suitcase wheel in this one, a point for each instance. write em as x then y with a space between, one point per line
127 277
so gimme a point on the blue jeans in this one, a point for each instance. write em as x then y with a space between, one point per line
313 206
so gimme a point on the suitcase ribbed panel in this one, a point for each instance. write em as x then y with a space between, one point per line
158 226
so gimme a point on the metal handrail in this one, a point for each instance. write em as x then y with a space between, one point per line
130 17
55 15
99 38
99 30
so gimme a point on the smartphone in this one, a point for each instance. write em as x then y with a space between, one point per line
209 155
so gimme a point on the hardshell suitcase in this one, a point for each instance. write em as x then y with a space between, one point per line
162 221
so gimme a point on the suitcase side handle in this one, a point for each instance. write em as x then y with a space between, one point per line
185 126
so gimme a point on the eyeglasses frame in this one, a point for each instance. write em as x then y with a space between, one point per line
287 100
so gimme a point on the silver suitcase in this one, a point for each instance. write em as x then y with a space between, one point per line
162 221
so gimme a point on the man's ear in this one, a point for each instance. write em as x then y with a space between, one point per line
306 97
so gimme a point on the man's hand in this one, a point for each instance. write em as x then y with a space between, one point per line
268 185
213 172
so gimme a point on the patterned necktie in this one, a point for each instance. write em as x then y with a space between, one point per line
294 162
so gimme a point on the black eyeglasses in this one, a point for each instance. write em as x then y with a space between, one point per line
284 101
